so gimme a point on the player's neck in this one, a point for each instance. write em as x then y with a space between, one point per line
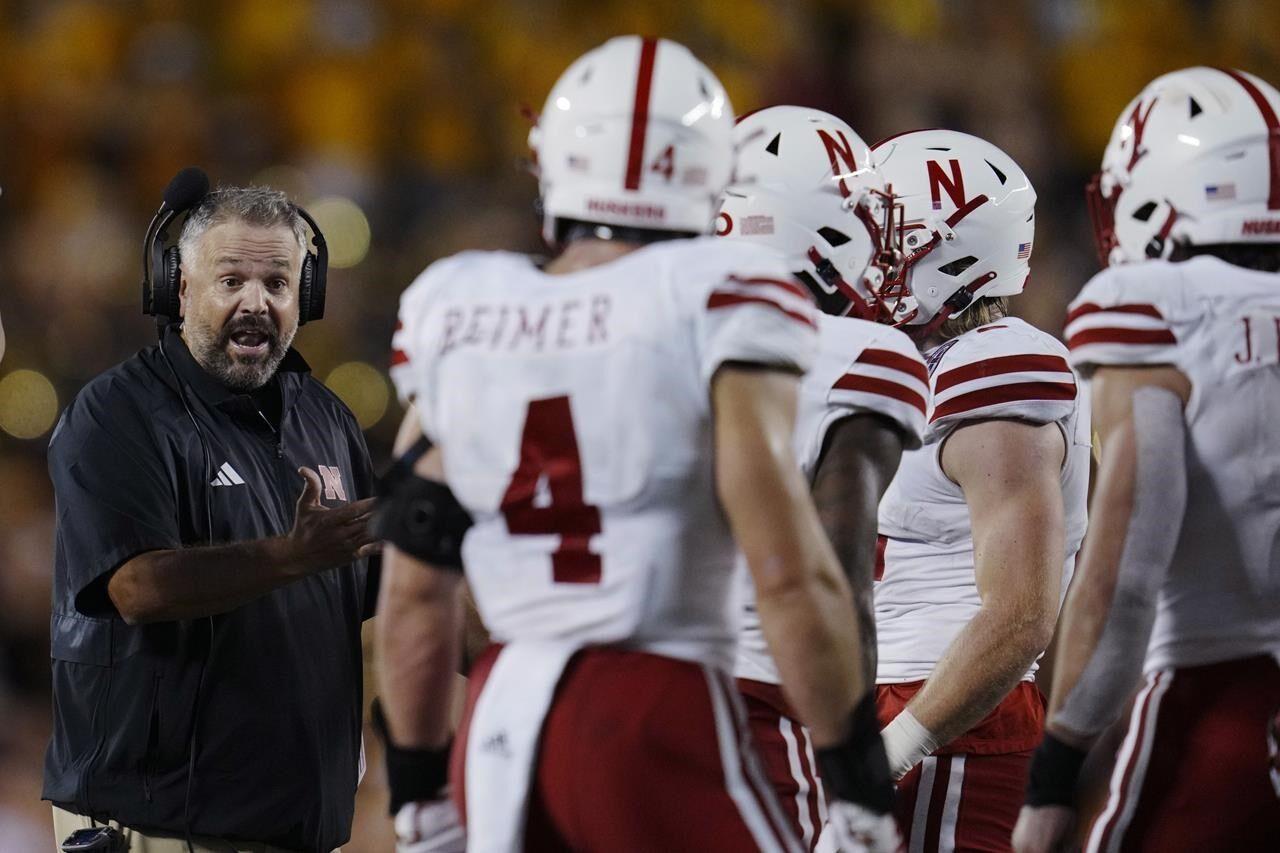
583 254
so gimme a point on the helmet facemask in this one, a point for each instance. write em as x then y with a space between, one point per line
874 209
910 244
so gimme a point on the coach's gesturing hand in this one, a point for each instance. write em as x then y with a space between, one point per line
322 538
191 582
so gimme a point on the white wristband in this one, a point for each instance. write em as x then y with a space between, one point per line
907 742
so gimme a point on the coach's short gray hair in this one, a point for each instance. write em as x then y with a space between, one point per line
255 205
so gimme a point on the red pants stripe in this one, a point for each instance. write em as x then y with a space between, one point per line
786 752
962 802
1192 774
641 753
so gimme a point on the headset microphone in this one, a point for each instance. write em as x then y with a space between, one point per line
186 189
184 192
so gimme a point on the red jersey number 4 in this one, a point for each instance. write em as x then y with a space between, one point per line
549 455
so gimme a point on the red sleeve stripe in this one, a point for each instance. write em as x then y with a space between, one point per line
1014 393
1106 335
883 387
792 287
1093 308
896 361
722 299
1001 364
399 357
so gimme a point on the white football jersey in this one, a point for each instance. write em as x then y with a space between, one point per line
1220 325
573 413
925 591
861 367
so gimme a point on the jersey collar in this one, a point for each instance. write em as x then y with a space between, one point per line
292 373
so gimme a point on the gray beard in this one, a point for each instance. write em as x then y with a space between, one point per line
210 352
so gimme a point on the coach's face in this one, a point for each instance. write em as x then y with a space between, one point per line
240 300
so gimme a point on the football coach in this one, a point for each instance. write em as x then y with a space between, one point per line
211 557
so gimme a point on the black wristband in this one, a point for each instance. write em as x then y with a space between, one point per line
412 774
1055 767
856 770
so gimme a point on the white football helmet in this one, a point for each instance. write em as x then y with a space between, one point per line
804 184
1195 158
965 230
636 133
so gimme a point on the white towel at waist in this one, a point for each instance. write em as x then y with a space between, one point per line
502 743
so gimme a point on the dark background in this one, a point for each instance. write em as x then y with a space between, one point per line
399 125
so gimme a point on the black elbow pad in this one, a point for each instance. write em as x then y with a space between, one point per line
422 518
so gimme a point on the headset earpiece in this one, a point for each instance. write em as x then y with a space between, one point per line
312 281
167 292
306 288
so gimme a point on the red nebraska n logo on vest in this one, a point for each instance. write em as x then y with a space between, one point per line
332 479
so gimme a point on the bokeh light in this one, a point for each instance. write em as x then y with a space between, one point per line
363 388
28 404
345 227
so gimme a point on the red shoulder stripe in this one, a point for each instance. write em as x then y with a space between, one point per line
792 287
1121 336
721 299
896 361
399 357
1134 308
883 387
1016 392
998 365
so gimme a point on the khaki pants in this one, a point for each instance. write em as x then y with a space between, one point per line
65 823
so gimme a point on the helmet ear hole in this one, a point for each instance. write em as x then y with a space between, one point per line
832 236
958 266
1143 213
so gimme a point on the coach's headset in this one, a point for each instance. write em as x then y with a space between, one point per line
160 291
160 300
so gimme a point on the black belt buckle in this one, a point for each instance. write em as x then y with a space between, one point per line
98 839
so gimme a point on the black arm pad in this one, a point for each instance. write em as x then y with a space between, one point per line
422 518
413 775
856 770
1055 767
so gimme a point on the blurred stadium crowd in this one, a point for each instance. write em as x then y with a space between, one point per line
400 124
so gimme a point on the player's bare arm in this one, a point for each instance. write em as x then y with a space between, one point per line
858 460
418 637
1009 472
803 599
1089 599
1107 618
418 646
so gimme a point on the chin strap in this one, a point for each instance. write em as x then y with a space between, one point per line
954 304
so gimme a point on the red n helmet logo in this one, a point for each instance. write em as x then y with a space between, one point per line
1138 121
940 180
838 152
